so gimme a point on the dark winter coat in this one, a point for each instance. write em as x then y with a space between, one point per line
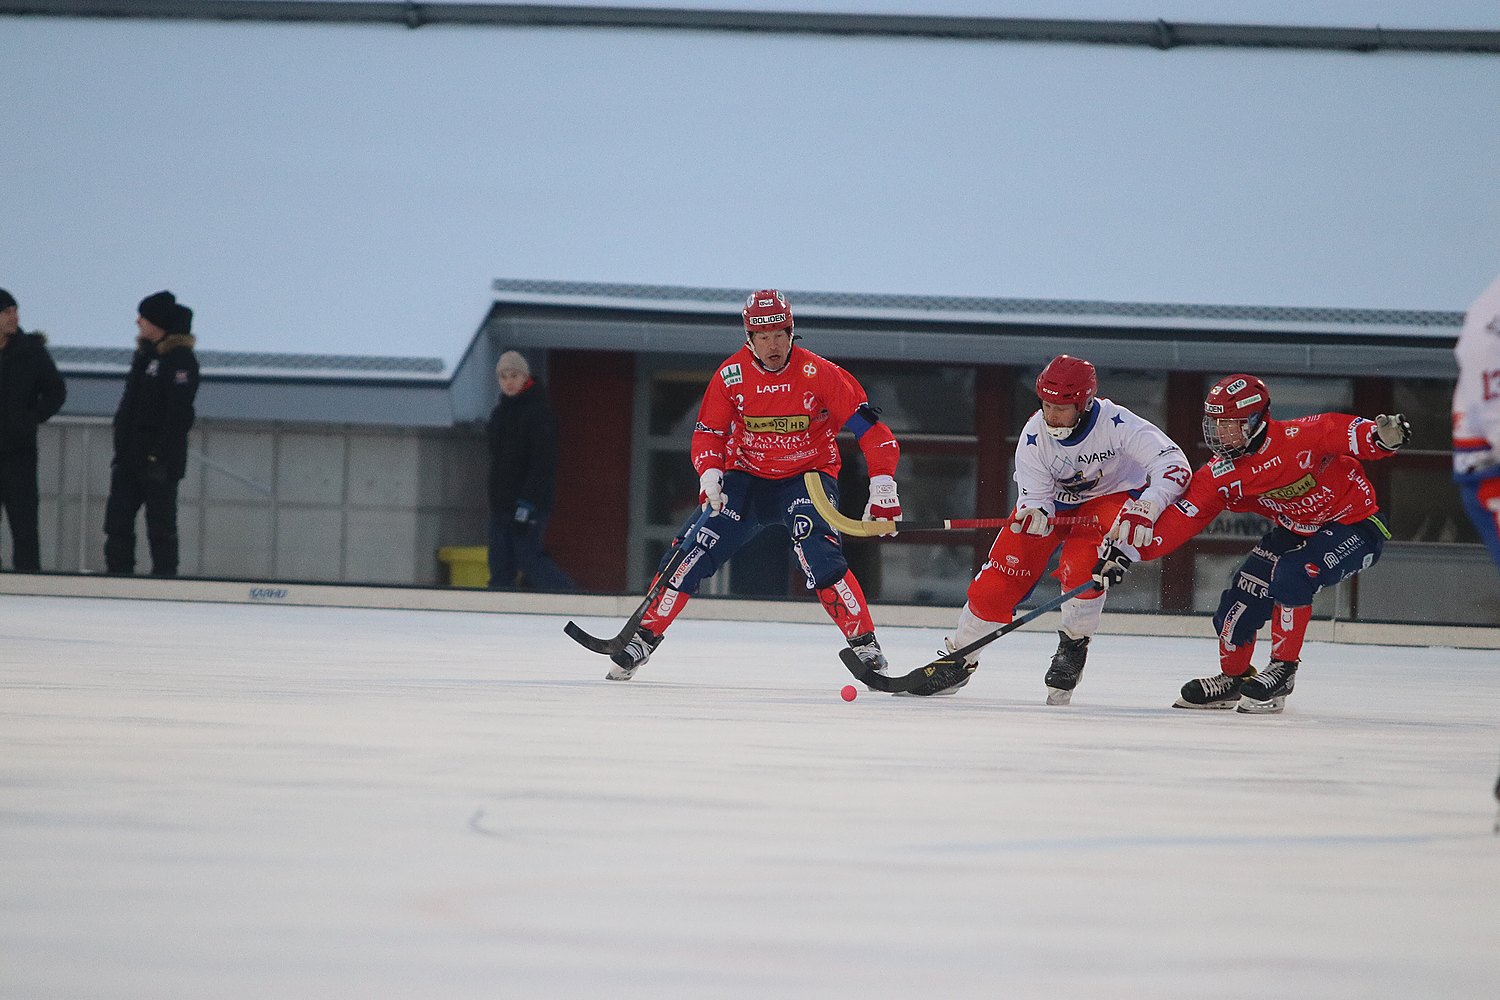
523 450
31 390
156 410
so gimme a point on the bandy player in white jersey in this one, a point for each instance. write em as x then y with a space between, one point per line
1104 472
1476 417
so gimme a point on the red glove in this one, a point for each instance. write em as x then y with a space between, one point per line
1135 525
884 505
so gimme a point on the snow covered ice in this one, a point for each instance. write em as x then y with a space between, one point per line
236 801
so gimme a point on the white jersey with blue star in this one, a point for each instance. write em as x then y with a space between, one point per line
1112 451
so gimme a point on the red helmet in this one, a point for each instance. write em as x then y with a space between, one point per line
766 309
1067 379
1236 398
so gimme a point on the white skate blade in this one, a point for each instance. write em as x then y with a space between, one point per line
1057 696
1250 706
1213 705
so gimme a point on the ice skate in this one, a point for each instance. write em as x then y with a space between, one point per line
636 652
942 685
1265 693
1067 667
867 648
1221 691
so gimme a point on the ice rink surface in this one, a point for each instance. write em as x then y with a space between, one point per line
236 801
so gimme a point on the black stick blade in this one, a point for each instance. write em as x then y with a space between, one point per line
939 675
596 645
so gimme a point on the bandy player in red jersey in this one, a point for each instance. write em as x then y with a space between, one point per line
1306 476
771 413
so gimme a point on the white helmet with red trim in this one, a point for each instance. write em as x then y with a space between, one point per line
1235 415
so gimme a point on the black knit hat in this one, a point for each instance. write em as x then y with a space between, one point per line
6 300
159 309
182 320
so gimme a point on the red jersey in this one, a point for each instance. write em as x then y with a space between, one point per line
780 425
1304 475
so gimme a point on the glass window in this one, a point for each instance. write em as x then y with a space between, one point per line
925 574
676 394
1428 404
919 399
1424 506
1294 396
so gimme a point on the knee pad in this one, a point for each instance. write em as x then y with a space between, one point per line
1243 608
1295 581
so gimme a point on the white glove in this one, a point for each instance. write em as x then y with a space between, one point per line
1392 430
1032 521
884 505
1135 525
711 489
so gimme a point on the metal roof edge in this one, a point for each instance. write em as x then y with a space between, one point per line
1157 34
965 309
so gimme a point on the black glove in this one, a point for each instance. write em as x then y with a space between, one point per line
1111 567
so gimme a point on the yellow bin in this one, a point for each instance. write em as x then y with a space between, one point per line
468 565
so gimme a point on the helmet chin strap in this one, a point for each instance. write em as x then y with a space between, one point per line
791 345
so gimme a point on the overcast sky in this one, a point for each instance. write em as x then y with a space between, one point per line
355 189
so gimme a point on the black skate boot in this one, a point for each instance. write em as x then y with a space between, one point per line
636 652
1265 693
867 648
948 680
1221 691
1067 667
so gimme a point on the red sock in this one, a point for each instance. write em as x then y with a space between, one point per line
1288 629
660 612
846 605
1235 660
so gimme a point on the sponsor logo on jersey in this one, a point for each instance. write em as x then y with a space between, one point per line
794 424
1312 570
1292 490
1095 456
802 528
1269 463
1221 467
731 375
773 388
1187 507
996 567
809 369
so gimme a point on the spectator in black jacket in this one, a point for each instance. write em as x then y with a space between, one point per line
151 431
523 470
31 391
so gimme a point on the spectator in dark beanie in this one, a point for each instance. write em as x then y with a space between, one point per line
151 431
523 472
31 391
